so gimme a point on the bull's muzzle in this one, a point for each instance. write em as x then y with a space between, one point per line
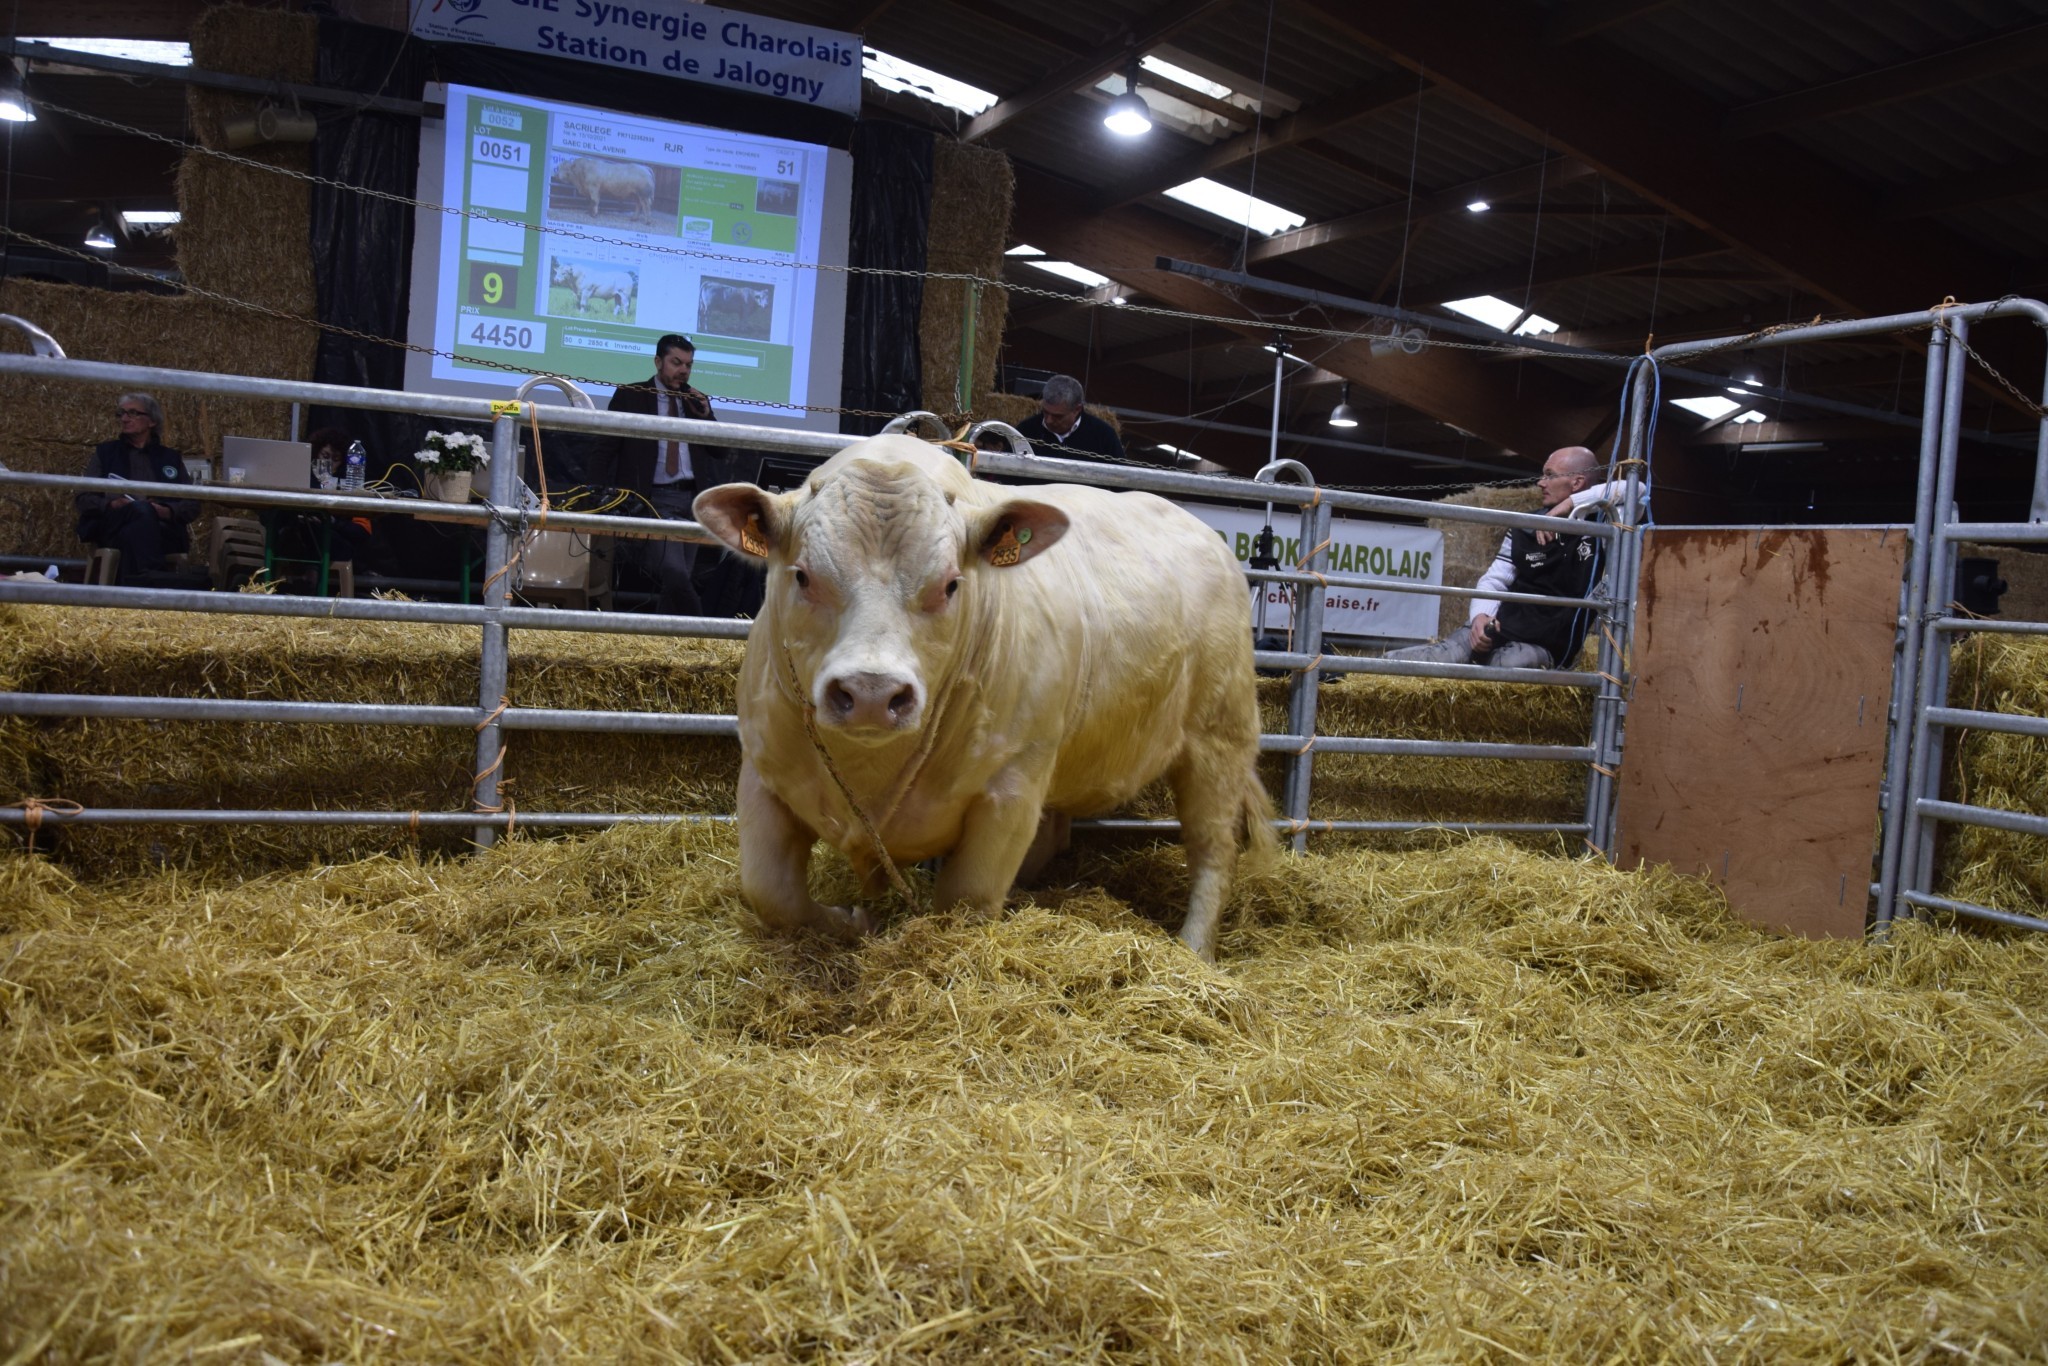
871 701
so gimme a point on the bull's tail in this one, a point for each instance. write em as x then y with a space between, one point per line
1261 846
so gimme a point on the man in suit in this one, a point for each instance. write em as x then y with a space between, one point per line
667 474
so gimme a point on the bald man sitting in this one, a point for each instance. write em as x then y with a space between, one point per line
1520 635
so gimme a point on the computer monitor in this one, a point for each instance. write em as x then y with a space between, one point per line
268 464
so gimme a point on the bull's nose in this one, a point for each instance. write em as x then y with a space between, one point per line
873 701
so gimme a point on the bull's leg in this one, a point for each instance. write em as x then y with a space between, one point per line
1055 833
1208 797
997 833
775 865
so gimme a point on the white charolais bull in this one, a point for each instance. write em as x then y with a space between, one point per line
981 664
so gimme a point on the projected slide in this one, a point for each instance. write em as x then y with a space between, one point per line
606 231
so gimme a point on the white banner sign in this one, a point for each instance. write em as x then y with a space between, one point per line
814 66
1382 550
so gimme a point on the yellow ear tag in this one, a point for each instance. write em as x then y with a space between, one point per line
1009 547
751 539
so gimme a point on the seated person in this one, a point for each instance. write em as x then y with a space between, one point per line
1061 427
1519 635
144 530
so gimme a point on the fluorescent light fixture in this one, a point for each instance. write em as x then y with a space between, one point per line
14 108
1477 206
895 74
1119 299
1495 312
1751 416
135 50
1080 275
98 238
1023 249
151 218
1236 206
1711 408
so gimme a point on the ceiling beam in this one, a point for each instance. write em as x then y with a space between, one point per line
2012 50
1361 101
1679 244
856 17
1576 19
154 20
1090 67
1389 217
1659 138
1969 190
1533 411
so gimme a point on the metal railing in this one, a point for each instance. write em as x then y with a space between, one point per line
1911 801
505 522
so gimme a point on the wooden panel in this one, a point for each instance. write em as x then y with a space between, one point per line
1755 741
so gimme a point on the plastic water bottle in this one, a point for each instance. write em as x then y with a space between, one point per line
352 471
323 469
51 573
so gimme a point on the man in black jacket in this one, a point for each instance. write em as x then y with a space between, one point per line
1062 427
666 474
144 530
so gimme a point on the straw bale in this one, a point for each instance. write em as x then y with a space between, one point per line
2002 869
53 427
972 192
564 1100
245 232
1469 547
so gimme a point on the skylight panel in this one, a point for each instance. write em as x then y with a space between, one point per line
895 74
1711 408
1236 206
135 50
1023 249
1068 270
1500 313
1180 75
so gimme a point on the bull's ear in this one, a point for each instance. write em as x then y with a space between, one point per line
750 520
1012 532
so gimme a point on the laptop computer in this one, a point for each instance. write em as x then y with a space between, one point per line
268 464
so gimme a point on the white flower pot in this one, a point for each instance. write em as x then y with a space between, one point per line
451 486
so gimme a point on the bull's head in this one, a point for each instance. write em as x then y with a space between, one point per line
877 569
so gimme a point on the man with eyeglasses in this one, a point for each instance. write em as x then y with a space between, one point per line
144 530
1062 427
1521 635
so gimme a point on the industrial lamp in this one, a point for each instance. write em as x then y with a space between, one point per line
1342 415
98 238
14 105
1129 116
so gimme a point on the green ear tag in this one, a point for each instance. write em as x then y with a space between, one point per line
1023 535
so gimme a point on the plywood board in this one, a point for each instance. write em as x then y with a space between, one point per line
1754 749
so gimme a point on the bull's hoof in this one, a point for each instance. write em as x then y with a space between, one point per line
1203 950
850 923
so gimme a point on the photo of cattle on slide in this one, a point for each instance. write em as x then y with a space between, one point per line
593 289
775 196
602 192
735 308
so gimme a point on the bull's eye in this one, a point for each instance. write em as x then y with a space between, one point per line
952 586
803 580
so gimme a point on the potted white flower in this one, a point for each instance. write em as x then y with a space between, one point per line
448 462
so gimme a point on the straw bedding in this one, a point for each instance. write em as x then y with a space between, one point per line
563 1101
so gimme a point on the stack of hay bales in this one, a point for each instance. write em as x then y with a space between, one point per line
2002 869
972 192
243 234
564 1101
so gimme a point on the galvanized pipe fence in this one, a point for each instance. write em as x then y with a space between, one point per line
1911 805
506 522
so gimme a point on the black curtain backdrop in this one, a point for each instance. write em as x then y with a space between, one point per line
892 211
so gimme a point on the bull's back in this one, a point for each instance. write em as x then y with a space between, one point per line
1155 623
